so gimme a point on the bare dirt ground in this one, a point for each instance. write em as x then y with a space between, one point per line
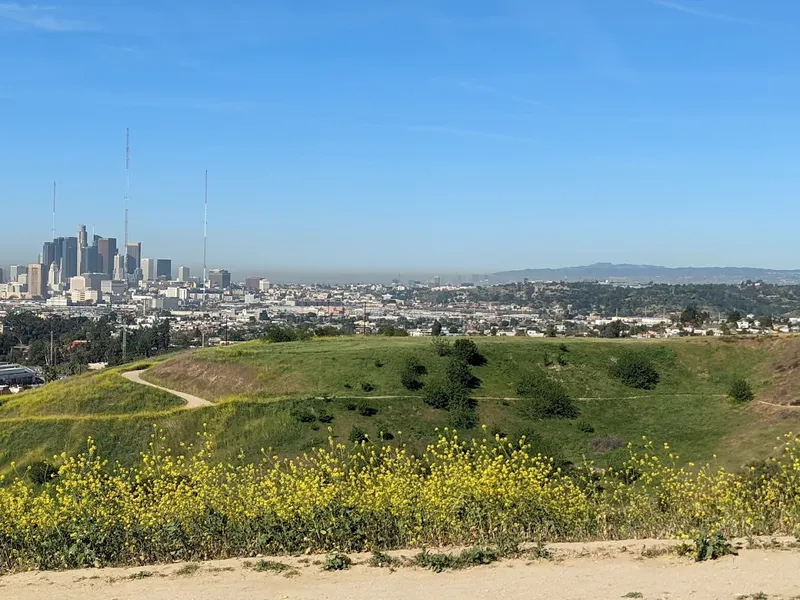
576 572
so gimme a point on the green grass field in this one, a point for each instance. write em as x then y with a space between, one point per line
256 384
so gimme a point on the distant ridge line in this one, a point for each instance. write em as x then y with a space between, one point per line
632 273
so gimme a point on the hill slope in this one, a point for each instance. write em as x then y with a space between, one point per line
258 388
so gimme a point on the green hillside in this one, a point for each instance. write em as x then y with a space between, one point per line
259 388
329 366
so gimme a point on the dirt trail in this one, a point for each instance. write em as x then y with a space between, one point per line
590 572
191 401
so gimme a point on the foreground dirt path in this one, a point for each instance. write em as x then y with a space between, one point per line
191 401
581 572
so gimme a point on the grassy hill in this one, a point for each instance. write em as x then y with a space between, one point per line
258 388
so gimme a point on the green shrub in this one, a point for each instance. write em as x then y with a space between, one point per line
365 410
411 373
635 370
441 347
324 417
470 557
350 405
712 547
41 471
584 426
444 394
381 559
437 394
302 413
379 363
367 386
357 435
544 398
740 391
336 561
271 565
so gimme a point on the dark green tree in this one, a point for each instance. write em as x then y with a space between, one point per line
411 373
436 329
466 350
734 317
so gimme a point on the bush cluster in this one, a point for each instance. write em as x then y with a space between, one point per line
413 370
740 391
635 370
543 397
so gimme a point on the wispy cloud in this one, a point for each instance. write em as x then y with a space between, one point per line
41 18
698 12
477 88
456 131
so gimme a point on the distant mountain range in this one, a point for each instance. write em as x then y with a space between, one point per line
647 273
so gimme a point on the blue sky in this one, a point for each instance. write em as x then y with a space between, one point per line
407 135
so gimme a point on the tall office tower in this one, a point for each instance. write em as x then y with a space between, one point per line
15 271
253 284
48 254
69 258
184 274
92 260
37 287
119 269
148 269
164 268
219 278
134 252
106 251
59 244
83 244
2 276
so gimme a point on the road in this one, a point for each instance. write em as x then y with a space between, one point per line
591 574
191 401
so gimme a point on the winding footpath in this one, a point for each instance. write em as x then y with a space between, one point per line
191 400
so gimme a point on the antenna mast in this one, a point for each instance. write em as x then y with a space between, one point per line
125 246
127 198
205 241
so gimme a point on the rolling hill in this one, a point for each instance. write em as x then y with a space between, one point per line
259 387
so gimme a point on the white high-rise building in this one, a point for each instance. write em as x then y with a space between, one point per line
119 269
54 279
148 269
184 274
263 285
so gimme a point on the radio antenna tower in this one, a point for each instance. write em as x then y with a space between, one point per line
205 241
127 198
54 210
125 246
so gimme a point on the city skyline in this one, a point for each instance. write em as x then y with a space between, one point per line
631 131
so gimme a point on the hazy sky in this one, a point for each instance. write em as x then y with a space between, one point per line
407 134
